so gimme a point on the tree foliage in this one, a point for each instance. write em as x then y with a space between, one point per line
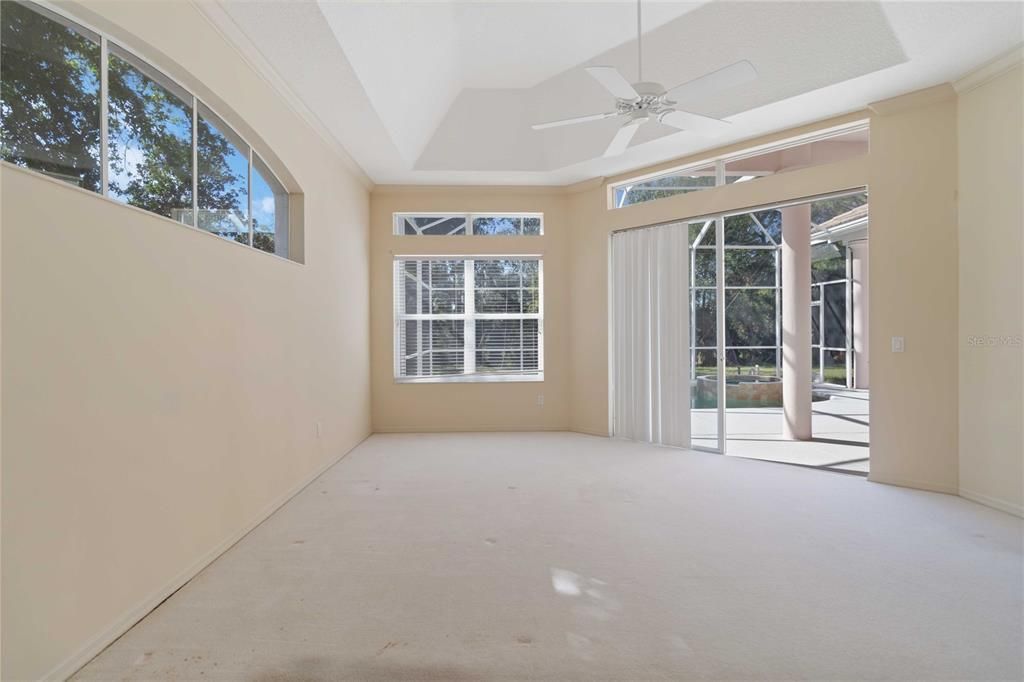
49 97
50 122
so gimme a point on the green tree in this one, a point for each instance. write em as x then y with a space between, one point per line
50 120
149 142
220 190
669 186
49 97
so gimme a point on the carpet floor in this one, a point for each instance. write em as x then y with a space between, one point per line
561 556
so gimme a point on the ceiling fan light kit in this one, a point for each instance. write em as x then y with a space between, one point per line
644 101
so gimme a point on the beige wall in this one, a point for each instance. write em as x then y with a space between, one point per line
990 126
913 266
470 406
914 285
161 385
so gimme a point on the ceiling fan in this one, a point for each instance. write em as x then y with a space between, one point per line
640 102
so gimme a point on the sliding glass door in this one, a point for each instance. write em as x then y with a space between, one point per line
735 355
706 417
736 332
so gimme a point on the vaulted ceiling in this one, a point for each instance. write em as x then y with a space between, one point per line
446 92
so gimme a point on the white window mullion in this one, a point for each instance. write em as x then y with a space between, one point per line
720 329
104 110
419 311
848 286
398 305
821 332
195 161
249 190
540 315
428 346
469 326
522 310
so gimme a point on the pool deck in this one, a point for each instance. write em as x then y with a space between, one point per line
840 427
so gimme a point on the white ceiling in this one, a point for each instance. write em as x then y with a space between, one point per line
445 92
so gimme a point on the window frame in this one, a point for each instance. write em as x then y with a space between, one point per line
211 118
717 164
160 79
150 69
469 316
57 15
398 222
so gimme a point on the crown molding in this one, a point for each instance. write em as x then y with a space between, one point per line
584 185
990 70
384 189
913 100
232 33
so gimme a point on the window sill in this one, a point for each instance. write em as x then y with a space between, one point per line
7 165
473 379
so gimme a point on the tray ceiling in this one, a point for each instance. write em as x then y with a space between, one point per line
445 92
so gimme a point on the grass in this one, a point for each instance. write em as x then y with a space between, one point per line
833 375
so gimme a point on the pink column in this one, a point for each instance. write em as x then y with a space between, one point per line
796 322
861 361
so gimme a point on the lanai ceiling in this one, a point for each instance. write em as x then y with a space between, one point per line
445 92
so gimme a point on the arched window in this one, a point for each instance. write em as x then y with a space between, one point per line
79 108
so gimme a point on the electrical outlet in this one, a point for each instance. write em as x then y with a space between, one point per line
540 400
897 344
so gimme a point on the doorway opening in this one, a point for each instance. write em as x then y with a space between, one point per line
742 259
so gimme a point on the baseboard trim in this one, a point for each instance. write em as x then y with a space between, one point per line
93 647
475 429
994 502
588 432
916 485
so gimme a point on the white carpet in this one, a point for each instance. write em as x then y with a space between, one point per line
562 556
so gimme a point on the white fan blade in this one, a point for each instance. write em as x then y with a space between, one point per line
570 121
622 139
726 77
684 120
613 81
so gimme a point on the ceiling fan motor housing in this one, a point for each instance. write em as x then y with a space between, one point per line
649 89
650 104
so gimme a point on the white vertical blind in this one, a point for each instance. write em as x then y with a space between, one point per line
650 335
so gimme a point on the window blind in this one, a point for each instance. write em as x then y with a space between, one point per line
468 318
650 335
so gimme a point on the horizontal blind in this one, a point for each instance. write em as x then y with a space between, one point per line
468 317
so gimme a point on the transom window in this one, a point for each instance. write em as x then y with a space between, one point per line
469 319
486 224
801 152
79 108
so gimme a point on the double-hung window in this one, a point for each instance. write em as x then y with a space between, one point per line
460 318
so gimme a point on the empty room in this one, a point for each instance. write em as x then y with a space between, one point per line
511 340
